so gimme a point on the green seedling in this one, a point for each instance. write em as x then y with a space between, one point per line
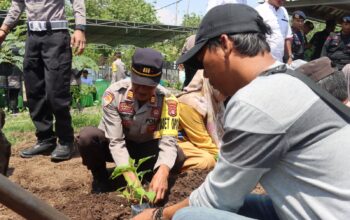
134 192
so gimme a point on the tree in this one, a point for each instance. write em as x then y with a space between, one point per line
5 4
124 10
191 20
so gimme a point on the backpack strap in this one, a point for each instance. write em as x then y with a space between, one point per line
342 110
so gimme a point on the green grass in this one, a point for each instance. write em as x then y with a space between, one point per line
18 127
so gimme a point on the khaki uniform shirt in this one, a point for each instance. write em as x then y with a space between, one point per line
124 119
118 70
44 10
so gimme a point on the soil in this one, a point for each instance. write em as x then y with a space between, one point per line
66 186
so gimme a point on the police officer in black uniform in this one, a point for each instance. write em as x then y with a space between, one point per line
337 45
298 44
47 70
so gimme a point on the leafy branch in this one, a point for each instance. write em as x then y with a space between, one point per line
133 191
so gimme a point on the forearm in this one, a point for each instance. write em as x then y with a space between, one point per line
15 11
288 47
5 28
170 211
79 12
168 152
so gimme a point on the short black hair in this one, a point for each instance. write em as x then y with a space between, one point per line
336 85
309 24
248 44
85 71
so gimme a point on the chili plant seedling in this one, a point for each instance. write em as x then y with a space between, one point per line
133 191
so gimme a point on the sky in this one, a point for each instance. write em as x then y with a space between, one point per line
167 15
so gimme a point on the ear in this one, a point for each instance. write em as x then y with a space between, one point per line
226 44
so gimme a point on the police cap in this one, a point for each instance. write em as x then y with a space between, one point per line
299 14
146 67
346 18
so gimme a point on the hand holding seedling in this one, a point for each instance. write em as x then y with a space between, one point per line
159 183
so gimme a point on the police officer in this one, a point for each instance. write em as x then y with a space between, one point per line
140 118
47 70
118 68
298 43
337 45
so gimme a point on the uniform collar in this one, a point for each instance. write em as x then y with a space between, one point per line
130 97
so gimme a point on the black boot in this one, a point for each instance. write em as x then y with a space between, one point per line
41 147
63 151
101 182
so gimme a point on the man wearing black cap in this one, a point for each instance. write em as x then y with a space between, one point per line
298 44
337 45
140 119
278 132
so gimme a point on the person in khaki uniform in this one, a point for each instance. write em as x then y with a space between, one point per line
140 119
118 68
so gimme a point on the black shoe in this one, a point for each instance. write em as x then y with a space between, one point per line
44 147
63 151
102 186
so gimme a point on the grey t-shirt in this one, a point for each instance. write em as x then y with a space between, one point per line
280 133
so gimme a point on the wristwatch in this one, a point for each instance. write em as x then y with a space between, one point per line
80 27
291 56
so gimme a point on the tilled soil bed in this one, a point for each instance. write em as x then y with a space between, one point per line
66 186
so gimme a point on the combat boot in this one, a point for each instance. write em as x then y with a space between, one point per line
43 147
63 151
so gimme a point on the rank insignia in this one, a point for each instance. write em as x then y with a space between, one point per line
130 95
153 100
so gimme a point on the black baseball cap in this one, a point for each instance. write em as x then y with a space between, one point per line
222 19
146 67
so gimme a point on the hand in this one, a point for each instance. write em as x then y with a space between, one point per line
2 36
159 183
78 42
147 214
289 61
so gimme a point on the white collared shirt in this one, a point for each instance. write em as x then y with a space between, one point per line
278 20
213 3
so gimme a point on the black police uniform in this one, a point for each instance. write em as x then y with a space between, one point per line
298 45
337 48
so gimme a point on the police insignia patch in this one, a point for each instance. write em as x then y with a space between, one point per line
108 98
125 107
172 107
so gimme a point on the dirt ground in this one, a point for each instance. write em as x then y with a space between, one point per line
66 186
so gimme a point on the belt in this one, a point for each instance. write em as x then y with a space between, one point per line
47 25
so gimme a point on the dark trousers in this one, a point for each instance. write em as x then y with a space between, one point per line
94 150
47 71
5 153
13 99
